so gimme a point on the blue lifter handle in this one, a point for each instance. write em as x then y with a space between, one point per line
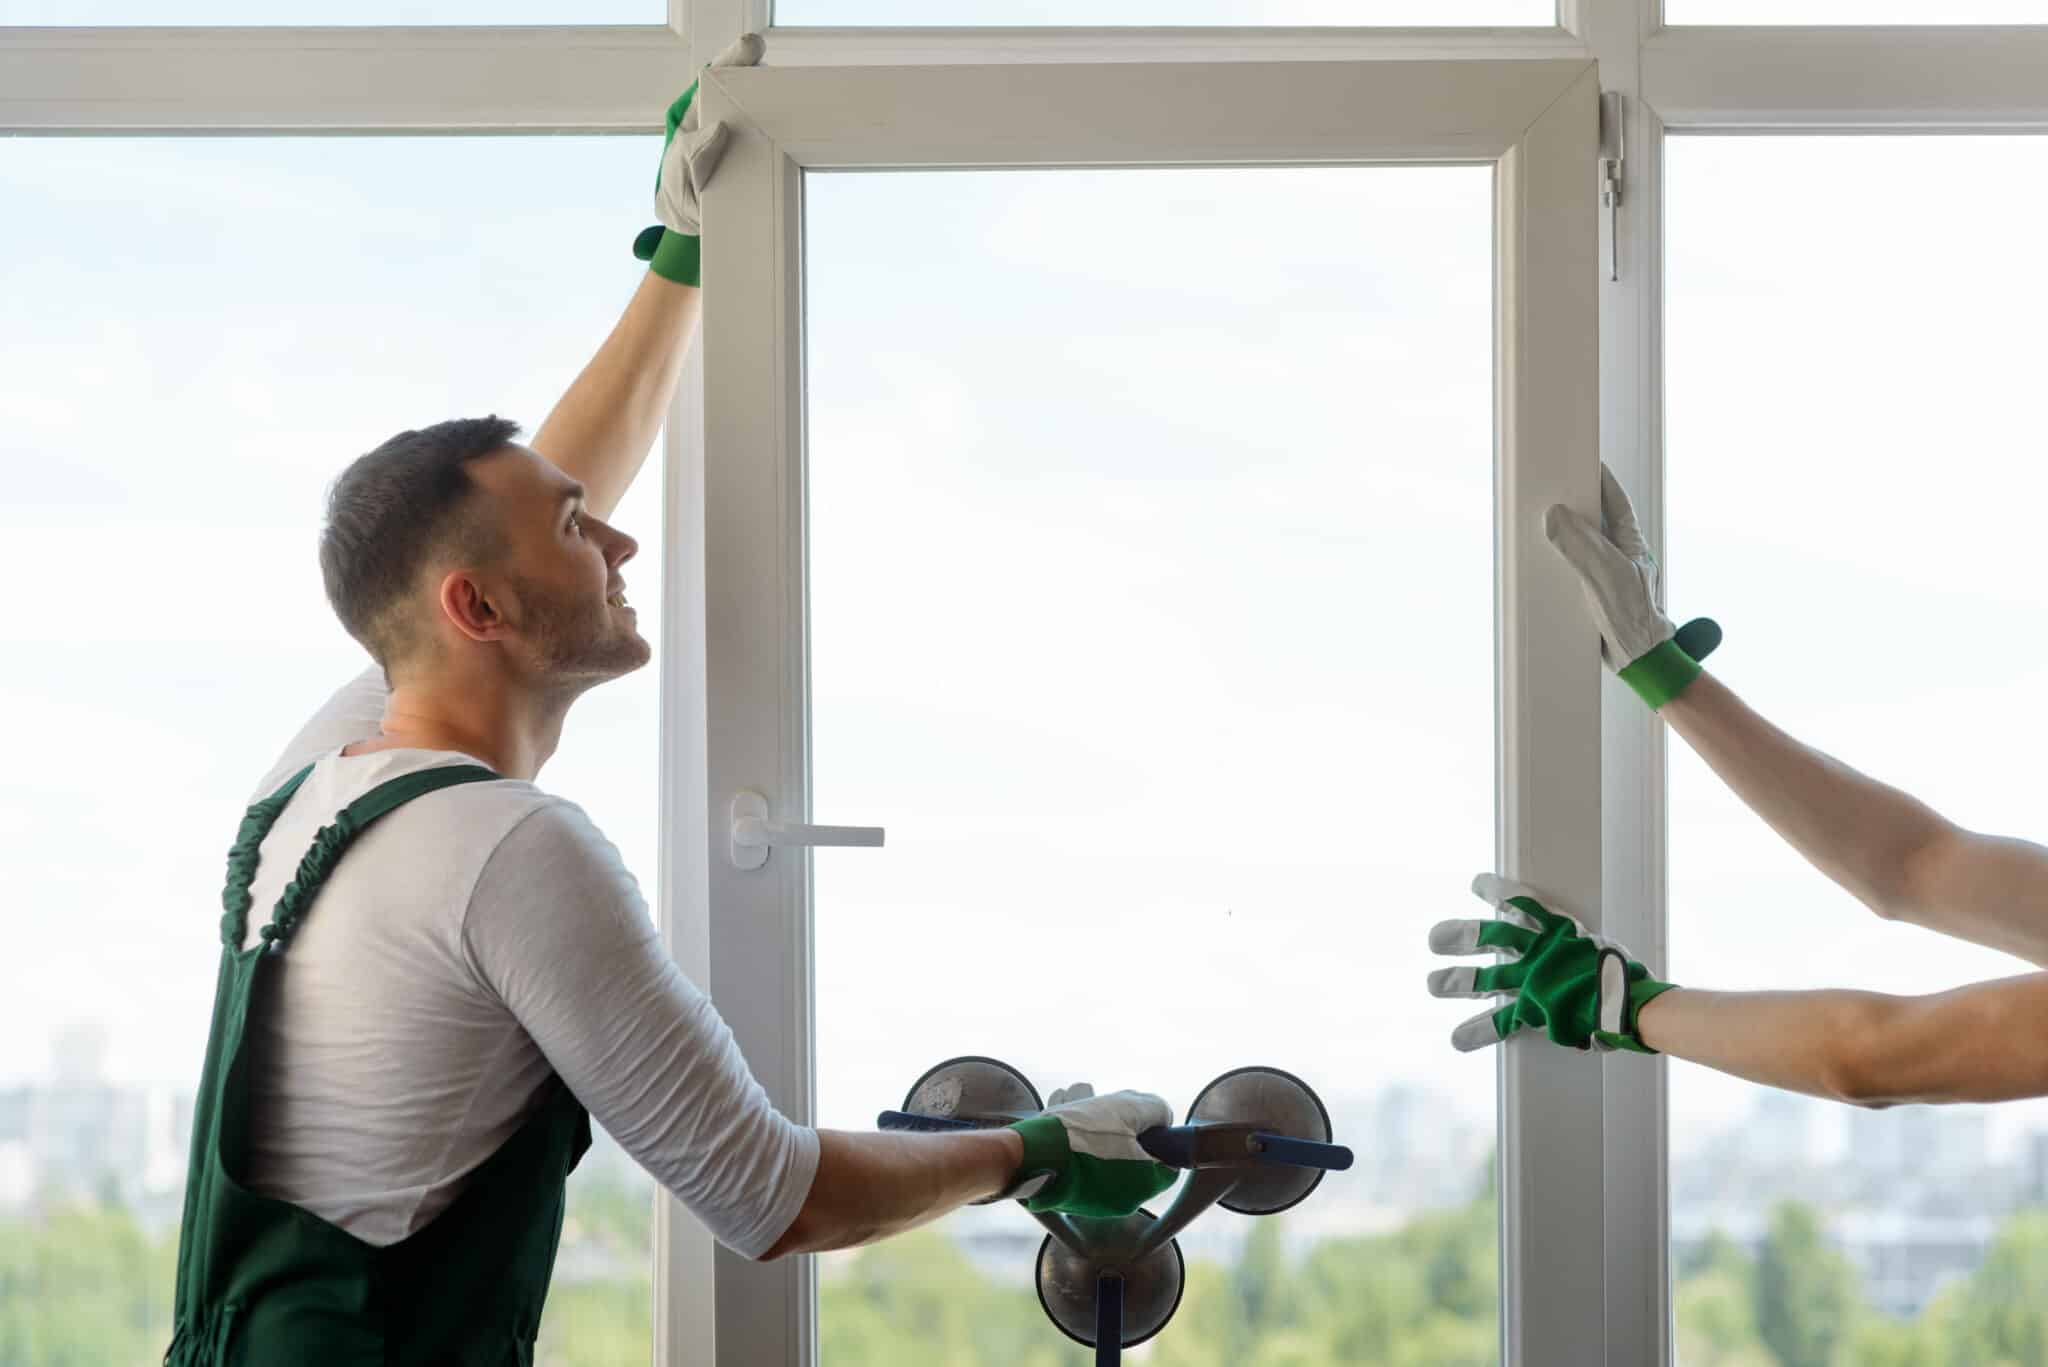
1202 1146
1177 1146
1302 1153
906 1120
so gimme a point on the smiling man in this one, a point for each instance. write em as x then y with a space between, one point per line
457 972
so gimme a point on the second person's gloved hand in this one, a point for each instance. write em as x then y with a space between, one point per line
1619 576
1086 1148
689 158
1581 989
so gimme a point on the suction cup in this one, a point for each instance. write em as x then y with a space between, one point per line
1278 1103
974 1088
1068 1282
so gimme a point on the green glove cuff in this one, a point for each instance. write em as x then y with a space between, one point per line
676 257
1082 1184
1640 991
1045 1145
1661 674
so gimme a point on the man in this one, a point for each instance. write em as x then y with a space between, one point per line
459 972
1984 1042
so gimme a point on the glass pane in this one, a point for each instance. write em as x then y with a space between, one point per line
348 13
190 357
1166 13
1856 11
1119 482
1855 474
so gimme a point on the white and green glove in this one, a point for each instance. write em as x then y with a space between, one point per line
1619 576
1580 988
1082 1156
673 248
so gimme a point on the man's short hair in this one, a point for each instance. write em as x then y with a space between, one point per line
392 513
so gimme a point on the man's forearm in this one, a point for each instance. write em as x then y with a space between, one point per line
870 1186
1798 1041
602 428
1984 1042
1861 833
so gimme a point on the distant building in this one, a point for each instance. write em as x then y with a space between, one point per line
2034 1180
1919 1141
81 1136
1780 1130
1905 1260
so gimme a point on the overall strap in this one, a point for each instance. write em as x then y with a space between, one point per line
333 840
242 857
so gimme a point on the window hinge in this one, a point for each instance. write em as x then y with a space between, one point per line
1613 152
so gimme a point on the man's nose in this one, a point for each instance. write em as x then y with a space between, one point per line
621 547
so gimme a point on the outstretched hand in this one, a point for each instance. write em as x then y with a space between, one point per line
1580 988
1619 576
689 159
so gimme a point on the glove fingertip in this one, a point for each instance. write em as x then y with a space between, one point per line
1453 937
746 50
1451 982
1473 1036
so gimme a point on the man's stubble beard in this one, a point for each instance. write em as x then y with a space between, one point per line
579 648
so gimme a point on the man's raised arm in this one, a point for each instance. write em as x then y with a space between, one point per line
602 429
1885 847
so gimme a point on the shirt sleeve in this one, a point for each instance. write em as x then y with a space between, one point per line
355 712
557 928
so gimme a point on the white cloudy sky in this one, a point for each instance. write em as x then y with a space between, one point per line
1152 598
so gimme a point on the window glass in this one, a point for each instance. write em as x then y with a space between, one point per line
1166 13
1856 11
1151 591
199 335
355 13
1854 492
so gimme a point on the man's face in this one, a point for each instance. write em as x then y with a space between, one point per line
562 592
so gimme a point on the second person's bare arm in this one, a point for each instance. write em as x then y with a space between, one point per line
1894 853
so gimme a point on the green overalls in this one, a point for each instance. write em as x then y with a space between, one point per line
265 1283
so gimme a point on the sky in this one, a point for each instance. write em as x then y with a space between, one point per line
1151 579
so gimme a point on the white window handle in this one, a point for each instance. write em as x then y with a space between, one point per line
753 834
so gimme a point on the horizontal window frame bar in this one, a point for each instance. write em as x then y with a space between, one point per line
290 81
983 46
1827 80
616 79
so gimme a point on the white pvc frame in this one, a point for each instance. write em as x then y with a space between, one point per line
1761 80
1536 122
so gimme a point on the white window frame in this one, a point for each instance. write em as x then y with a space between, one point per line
1674 81
1536 122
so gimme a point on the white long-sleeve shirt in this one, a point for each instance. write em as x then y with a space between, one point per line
469 946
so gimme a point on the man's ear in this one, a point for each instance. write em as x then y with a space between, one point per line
477 611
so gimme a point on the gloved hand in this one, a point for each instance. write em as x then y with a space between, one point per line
1582 988
672 249
1081 1153
1619 576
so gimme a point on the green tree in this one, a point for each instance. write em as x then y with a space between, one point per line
1715 1310
916 1301
81 1285
1999 1318
1807 1297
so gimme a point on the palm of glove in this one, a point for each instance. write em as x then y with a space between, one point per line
1580 988
1617 572
692 153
